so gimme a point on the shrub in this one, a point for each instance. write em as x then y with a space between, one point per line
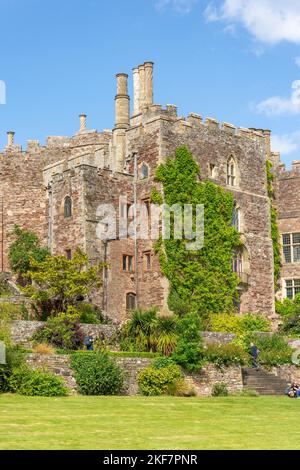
161 381
219 390
62 331
165 334
162 362
291 325
44 349
89 314
26 381
189 349
181 388
138 333
14 359
226 355
238 325
97 374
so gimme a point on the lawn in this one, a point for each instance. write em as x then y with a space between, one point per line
149 423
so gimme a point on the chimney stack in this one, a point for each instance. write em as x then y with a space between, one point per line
10 138
82 118
142 87
148 83
122 102
136 91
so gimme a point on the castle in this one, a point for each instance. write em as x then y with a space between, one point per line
55 191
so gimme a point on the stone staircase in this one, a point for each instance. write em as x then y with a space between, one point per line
263 382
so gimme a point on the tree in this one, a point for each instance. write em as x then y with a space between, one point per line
25 248
59 283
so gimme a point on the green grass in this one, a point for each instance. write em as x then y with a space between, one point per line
149 423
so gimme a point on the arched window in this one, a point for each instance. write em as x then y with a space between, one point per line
144 171
236 218
130 301
231 172
67 207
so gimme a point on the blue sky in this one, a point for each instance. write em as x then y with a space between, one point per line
235 60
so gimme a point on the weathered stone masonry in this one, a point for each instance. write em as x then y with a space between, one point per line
93 168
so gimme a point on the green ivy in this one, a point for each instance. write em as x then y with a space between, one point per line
203 279
274 225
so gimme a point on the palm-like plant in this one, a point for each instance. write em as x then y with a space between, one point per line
141 327
166 336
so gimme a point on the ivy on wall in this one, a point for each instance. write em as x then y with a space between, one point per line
201 281
274 225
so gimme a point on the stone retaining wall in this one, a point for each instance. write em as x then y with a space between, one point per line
23 330
60 365
203 381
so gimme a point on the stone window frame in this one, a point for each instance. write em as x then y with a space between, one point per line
291 288
212 169
129 302
145 166
291 248
127 263
68 210
232 172
236 217
147 260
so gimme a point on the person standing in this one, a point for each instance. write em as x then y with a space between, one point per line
89 342
254 354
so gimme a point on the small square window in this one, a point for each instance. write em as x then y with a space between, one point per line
296 238
286 239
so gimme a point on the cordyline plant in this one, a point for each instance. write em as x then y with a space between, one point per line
58 283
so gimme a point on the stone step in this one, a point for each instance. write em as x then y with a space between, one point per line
263 382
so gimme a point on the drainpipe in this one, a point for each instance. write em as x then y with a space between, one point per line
135 228
2 234
49 189
104 302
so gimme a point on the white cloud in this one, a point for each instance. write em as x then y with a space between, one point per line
269 21
277 105
287 143
180 6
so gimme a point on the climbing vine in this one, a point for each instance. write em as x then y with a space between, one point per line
201 281
274 225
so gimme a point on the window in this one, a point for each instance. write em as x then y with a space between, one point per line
212 170
144 171
231 172
291 247
147 261
128 263
236 218
237 263
125 208
292 288
69 254
130 301
67 207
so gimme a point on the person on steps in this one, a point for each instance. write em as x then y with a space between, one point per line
254 354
